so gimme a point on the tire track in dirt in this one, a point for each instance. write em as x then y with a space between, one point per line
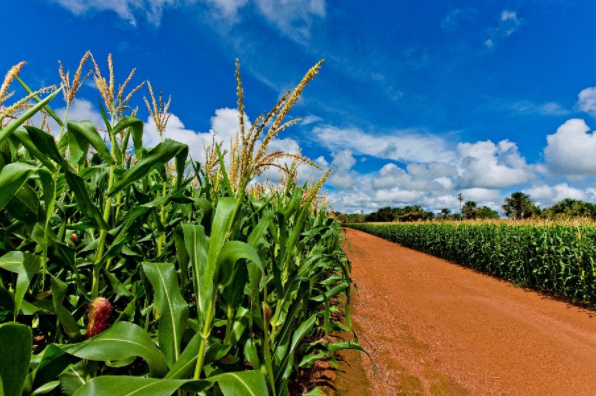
435 328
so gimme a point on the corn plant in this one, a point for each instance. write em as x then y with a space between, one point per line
558 259
132 270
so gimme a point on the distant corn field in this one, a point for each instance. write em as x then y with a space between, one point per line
559 258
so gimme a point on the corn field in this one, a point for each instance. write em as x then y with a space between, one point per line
132 270
558 259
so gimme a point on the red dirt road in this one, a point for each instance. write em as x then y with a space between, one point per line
435 328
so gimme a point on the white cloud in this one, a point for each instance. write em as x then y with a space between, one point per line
586 101
489 165
342 163
455 18
292 17
152 10
529 107
83 110
431 172
310 120
546 195
570 151
404 146
224 125
508 24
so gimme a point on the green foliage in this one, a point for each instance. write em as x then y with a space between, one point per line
215 286
569 208
405 214
520 206
559 259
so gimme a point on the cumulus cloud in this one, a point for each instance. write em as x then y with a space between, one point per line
342 163
586 101
570 151
508 24
82 109
489 165
404 146
546 195
224 125
422 169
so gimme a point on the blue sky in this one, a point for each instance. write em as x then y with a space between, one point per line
416 101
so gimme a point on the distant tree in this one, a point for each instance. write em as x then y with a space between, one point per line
444 214
520 206
470 209
571 208
487 213
456 216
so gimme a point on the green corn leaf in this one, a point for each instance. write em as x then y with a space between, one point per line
109 385
137 130
294 203
226 179
53 362
118 342
171 306
247 383
65 318
12 178
104 116
73 379
185 365
158 156
25 265
222 222
47 107
84 133
195 243
15 343
23 138
24 205
45 143
332 292
230 253
85 204
10 128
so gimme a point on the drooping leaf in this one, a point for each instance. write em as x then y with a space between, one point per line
25 265
158 156
195 244
171 306
45 143
53 362
230 253
84 133
15 343
65 318
118 342
77 184
12 178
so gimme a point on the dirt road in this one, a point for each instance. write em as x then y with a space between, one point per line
436 328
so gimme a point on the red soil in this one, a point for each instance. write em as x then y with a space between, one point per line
435 328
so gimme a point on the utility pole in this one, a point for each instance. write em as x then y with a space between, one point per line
460 199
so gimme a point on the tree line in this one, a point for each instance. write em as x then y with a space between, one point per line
518 205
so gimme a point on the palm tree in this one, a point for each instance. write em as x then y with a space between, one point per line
519 206
470 209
